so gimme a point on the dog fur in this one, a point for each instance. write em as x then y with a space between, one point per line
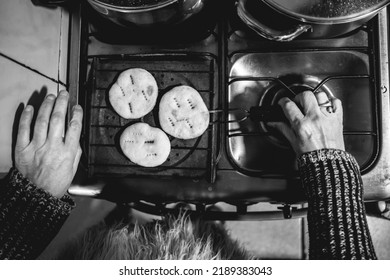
172 238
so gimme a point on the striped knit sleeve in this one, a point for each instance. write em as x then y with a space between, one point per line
29 217
337 222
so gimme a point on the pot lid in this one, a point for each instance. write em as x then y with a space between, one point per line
327 9
133 4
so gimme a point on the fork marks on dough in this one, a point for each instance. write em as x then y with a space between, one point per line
123 91
130 107
191 104
171 121
177 103
144 94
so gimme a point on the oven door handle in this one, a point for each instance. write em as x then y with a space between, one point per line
91 190
284 212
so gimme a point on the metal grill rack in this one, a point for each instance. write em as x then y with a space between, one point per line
188 158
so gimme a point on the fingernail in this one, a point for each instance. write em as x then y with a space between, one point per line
73 123
64 93
77 107
50 96
28 108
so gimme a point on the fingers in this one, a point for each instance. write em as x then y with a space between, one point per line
72 137
322 99
77 159
42 122
337 105
291 110
308 102
23 138
57 120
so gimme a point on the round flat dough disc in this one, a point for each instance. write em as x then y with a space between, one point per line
134 93
145 145
183 114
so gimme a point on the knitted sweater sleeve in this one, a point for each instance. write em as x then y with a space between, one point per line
337 221
29 217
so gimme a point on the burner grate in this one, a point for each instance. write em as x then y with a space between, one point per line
233 132
189 158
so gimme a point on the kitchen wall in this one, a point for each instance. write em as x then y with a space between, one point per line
33 61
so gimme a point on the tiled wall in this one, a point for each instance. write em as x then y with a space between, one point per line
33 61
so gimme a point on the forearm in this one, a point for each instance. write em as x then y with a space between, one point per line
29 217
337 223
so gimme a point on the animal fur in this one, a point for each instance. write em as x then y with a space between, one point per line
168 239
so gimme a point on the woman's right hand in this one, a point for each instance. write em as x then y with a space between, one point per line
314 122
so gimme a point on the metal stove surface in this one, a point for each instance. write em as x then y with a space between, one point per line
255 148
240 163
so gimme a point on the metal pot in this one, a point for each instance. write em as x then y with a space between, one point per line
285 20
166 12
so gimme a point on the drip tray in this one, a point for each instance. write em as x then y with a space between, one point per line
188 158
255 80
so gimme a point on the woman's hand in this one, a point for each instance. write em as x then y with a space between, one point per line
315 122
49 160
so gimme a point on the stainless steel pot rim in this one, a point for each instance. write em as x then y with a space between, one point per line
322 20
133 9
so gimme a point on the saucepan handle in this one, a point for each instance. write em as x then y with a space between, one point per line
52 2
266 31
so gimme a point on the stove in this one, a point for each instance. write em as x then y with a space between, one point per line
238 162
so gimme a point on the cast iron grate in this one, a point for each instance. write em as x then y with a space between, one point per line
188 158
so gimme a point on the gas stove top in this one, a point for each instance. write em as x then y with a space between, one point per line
236 162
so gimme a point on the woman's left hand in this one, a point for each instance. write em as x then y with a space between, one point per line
49 160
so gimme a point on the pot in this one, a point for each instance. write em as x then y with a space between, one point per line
166 12
285 20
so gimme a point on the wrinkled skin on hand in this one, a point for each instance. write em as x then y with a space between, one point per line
50 160
312 127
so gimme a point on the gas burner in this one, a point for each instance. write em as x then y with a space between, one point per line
293 84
